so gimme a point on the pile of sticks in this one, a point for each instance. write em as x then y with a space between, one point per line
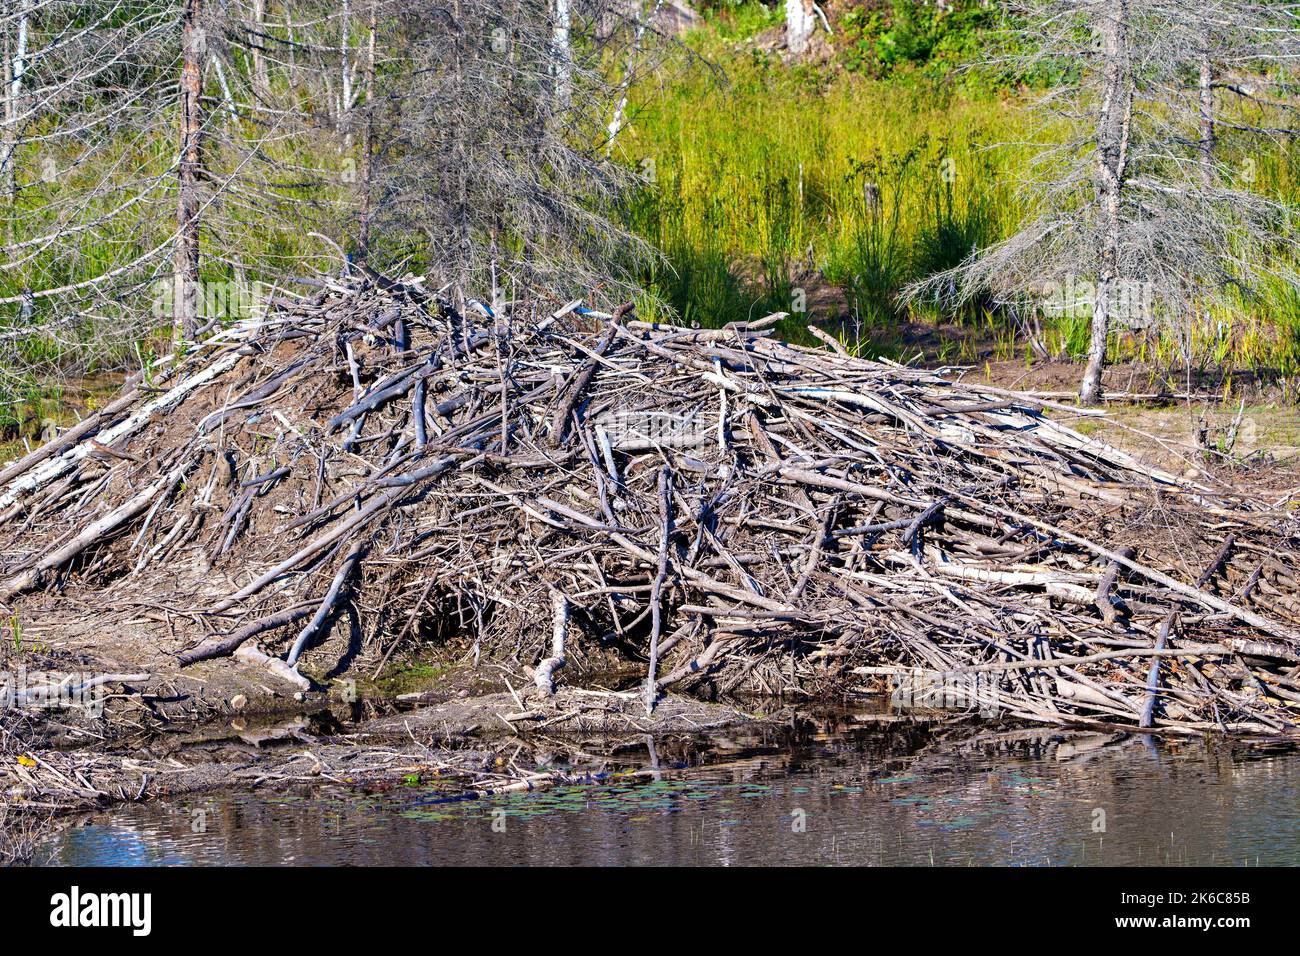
734 513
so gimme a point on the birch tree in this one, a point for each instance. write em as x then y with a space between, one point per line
16 37
563 49
642 20
799 25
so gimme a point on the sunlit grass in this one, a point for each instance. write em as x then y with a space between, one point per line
778 176
784 178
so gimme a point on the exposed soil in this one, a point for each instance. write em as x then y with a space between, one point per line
480 744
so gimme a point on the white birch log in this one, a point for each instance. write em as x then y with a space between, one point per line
544 675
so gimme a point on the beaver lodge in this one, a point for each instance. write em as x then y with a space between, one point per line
726 512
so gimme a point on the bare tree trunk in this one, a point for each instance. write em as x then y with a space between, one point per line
345 79
1206 89
9 140
544 675
185 294
1112 170
799 25
261 86
293 48
15 68
560 40
226 96
460 223
368 143
616 124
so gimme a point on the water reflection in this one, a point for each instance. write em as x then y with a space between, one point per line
816 793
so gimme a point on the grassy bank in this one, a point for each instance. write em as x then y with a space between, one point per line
819 189
788 190
822 191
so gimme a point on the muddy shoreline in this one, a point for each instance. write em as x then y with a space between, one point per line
884 789
474 742
452 745
456 739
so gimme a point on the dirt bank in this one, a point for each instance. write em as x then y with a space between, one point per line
482 744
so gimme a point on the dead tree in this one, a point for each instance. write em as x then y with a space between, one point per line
1205 97
563 48
261 78
368 136
123 172
1240 44
483 117
165 158
186 291
16 38
1114 131
643 20
1132 224
83 83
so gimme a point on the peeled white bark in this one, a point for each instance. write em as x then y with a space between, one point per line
1113 128
260 80
799 25
544 675
616 124
13 97
563 62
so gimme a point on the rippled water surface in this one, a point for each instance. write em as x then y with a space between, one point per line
819 793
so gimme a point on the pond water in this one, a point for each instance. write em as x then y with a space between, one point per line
822 791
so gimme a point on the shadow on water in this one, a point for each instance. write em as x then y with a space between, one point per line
845 789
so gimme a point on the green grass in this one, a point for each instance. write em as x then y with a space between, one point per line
784 180
782 176
733 20
818 191
410 678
